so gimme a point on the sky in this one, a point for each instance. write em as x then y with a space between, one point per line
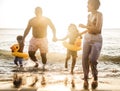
16 13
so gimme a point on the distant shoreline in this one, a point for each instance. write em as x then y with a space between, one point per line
111 28
23 28
11 28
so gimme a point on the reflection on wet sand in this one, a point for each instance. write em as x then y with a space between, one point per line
56 78
38 80
53 82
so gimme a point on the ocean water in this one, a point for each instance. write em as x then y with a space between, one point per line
109 64
110 49
8 38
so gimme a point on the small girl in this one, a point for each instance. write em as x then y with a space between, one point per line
73 33
21 47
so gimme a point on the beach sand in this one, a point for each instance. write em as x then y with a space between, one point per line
56 77
60 81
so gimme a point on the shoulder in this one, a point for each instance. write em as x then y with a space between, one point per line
45 18
99 13
30 21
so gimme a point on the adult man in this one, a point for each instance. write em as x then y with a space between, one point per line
39 40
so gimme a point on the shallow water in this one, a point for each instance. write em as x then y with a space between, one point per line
105 69
109 61
111 40
56 78
55 74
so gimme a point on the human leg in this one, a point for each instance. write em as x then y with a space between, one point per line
73 64
66 61
20 61
94 83
43 48
85 62
15 61
74 56
32 50
44 59
67 58
33 57
95 52
85 59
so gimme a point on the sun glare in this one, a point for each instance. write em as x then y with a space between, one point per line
61 12
15 13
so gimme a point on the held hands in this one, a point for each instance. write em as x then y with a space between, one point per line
54 39
80 34
82 26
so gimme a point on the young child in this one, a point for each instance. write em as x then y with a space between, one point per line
73 33
21 47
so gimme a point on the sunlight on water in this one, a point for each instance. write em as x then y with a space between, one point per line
111 39
56 78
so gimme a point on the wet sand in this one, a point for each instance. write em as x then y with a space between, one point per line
56 77
57 80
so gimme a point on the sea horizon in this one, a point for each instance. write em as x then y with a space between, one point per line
110 49
108 65
20 28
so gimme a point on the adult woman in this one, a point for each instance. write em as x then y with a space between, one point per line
92 42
